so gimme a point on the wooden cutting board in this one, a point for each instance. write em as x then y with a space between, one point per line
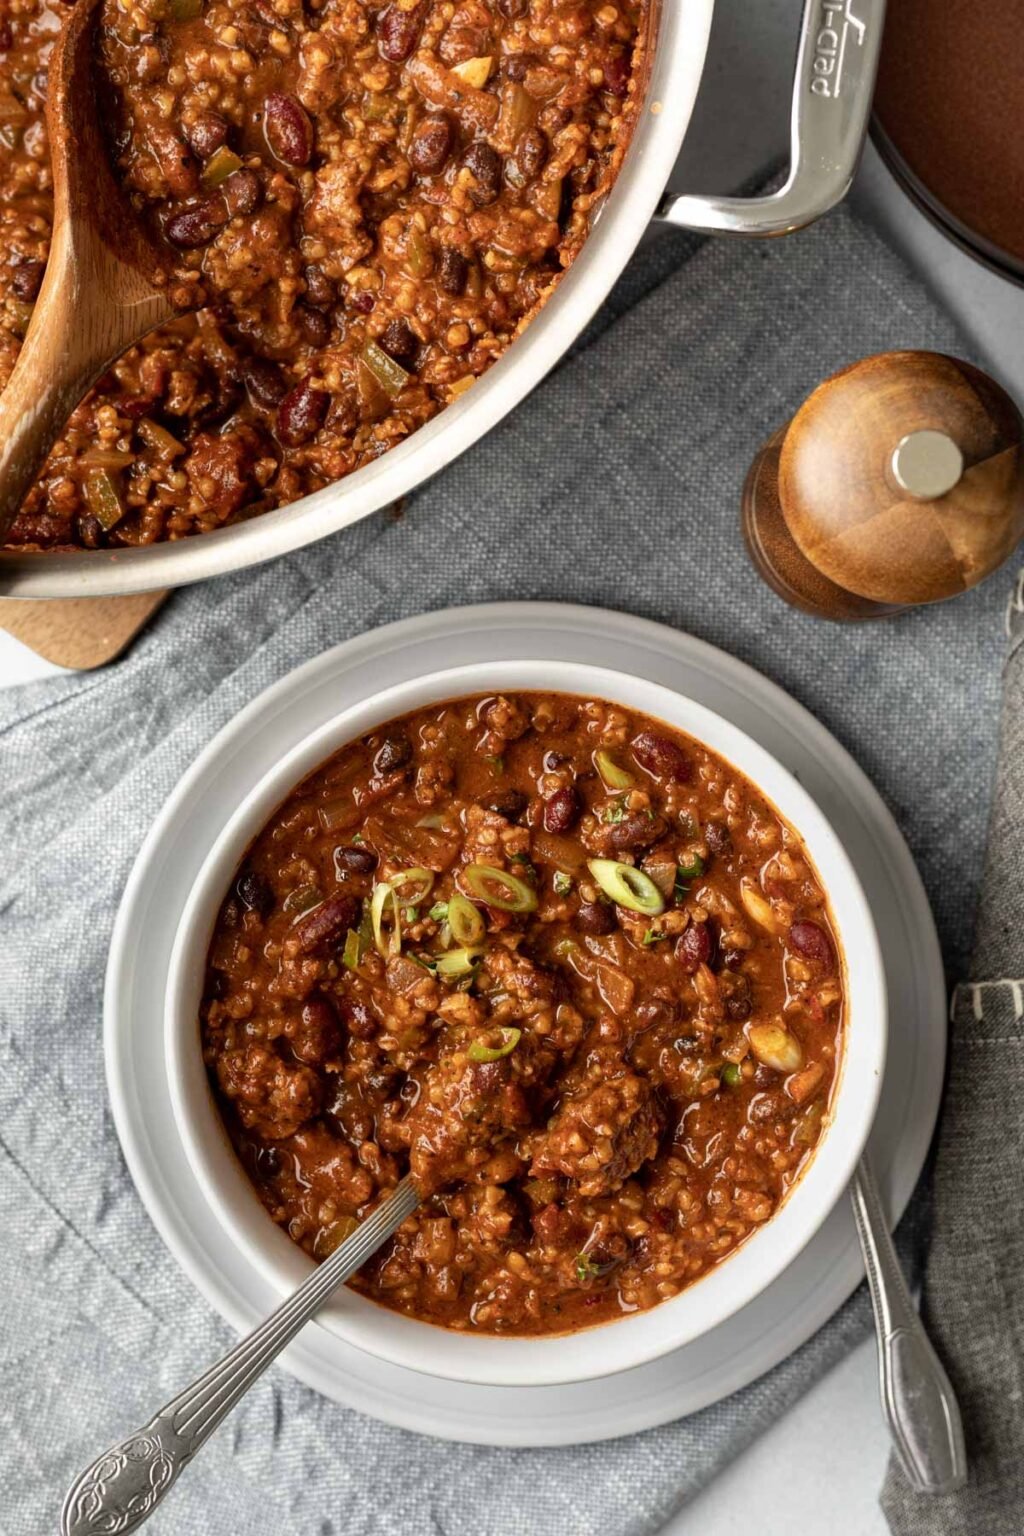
79 632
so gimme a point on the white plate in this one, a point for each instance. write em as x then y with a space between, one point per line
783 1316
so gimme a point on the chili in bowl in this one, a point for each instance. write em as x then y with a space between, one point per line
577 952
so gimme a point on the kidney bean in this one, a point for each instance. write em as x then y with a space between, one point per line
255 892
484 164
662 758
562 811
518 65
242 191
288 129
6 37
635 832
301 414
314 325
320 290
314 1035
326 922
531 153
431 145
398 32
264 382
718 837
596 917
696 947
511 804
769 1106
362 302
400 342
355 860
197 225
812 942
452 271
732 959
359 1019
393 753
27 279
90 531
513 9
206 134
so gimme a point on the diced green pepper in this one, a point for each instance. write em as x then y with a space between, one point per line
103 499
221 164
391 376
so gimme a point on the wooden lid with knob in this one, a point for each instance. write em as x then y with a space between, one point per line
899 481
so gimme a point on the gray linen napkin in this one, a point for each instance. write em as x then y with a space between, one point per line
973 1290
617 483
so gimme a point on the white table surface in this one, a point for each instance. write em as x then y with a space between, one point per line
821 1466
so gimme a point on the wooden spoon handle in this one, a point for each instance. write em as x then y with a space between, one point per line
72 338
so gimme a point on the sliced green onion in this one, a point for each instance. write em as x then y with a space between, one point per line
439 912
654 936
435 820
221 164
562 883
499 888
391 376
731 1075
614 813
459 962
383 896
586 1269
497 764
303 899
411 914
466 923
353 952
691 870
613 775
421 879
479 1051
627 886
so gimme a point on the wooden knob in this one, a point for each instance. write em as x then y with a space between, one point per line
899 481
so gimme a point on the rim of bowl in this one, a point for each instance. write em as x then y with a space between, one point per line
636 1338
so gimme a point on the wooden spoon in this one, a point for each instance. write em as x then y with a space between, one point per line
105 284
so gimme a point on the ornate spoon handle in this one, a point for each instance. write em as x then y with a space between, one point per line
122 1487
918 1400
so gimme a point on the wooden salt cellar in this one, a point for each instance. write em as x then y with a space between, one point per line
899 481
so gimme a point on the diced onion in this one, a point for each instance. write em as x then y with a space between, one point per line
773 1045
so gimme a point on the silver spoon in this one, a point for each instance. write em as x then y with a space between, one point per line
917 1398
123 1487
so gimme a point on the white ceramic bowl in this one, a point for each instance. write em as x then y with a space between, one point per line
631 1340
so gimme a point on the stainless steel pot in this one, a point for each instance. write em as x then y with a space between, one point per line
834 77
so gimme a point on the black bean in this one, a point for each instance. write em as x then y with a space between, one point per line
484 164
393 753
255 892
400 342
355 860
320 291
452 271
510 803
314 325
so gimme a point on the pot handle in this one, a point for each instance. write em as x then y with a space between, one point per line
837 59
